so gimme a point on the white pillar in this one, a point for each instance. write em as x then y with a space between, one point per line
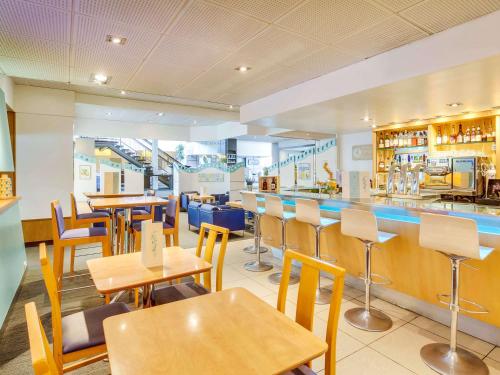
154 162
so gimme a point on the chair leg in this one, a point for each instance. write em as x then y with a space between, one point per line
106 248
107 299
167 240
121 229
176 238
72 260
58 265
136 297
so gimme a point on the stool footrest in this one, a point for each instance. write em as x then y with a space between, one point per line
383 280
479 309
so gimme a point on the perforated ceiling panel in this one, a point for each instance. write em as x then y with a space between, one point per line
389 34
331 20
61 4
211 24
19 17
398 5
268 10
34 69
147 14
438 15
22 47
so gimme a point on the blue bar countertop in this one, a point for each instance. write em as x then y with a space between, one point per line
403 210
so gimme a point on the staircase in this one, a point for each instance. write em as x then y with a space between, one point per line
138 152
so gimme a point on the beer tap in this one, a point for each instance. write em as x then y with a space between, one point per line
393 169
415 178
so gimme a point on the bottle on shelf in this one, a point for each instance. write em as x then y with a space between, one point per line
484 134
478 134
381 141
460 135
439 137
273 184
453 136
445 139
387 141
467 136
473 135
264 184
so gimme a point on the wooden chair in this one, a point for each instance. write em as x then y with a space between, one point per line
309 275
42 359
170 224
178 292
78 339
85 220
73 237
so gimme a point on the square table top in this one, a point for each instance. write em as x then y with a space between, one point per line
228 332
120 272
126 202
112 195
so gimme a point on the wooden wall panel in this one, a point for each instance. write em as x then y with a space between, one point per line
39 230
11 118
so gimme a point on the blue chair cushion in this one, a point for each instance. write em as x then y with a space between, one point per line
92 215
84 329
136 212
178 292
84 233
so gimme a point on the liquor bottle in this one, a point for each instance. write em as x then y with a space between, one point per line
467 136
460 135
387 142
425 137
400 139
453 136
273 184
473 135
381 165
445 139
264 184
439 138
489 133
479 136
484 135
381 141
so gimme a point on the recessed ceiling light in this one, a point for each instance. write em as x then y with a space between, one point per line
366 119
99 78
454 105
118 40
230 106
194 122
108 113
374 126
123 92
160 114
242 68
308 134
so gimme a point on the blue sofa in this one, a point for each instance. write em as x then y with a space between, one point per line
185 199
224 216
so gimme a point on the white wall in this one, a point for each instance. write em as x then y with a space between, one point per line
134 181
249 148
345 143
44 149
85 146
189 181
84 186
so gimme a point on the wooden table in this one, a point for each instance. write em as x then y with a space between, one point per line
126 271
228 332
112 195
127 203
203 198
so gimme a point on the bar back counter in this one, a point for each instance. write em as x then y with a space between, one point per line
417 275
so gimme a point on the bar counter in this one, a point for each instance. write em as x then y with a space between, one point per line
414 271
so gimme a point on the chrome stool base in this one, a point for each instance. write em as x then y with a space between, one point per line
251 249
323 296
275 278
368 320
443 360
256 266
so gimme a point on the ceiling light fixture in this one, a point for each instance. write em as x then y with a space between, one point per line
366 119
242 68
194 122
160 114
123 92
374 126
108 113
99 78
230 106
454 105
118 40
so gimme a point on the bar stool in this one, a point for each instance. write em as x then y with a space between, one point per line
363 225
252 249
249 201
307 211
274 208
456 238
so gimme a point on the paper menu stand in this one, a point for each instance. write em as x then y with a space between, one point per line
355 184
151 243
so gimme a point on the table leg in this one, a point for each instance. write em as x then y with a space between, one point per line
128 222
147 294
113 229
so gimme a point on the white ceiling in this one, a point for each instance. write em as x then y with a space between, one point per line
476 85
189 48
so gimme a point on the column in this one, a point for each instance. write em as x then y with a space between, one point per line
154 163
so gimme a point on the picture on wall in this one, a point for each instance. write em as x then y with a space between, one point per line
362 152
211 177
304 171
85 172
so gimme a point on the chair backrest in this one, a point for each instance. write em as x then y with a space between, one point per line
274 206
42 359
74 208
449 234
213 232
359 223
309 275
307 211
249 201
55 303
57 220
172 210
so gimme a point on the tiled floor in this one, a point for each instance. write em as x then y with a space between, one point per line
393 352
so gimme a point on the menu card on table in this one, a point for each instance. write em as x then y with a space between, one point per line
151 243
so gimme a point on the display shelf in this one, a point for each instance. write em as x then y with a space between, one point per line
462 144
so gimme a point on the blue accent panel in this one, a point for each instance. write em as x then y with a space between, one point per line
12 257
